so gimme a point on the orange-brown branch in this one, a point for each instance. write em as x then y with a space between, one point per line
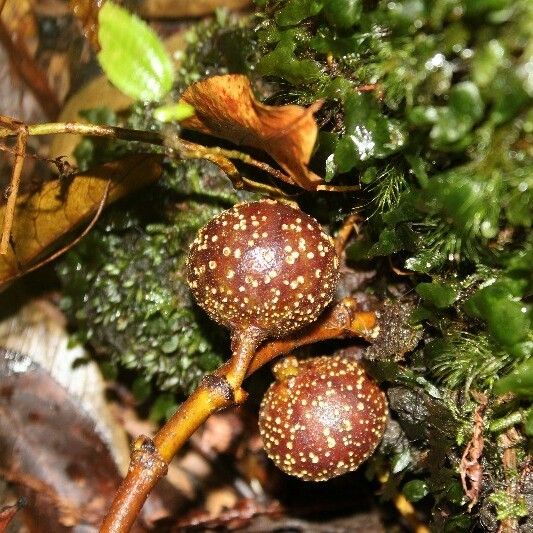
217 391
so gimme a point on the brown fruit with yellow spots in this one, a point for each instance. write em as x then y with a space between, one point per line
322 417
263 266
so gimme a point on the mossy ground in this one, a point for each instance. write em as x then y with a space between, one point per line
441 147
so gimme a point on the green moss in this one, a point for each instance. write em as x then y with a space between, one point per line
125 283
426 108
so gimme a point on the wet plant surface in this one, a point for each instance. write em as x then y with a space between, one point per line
422 157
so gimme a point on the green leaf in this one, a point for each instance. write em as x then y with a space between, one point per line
441 295
425 261
343 13
452 123
508 505
401 461
519 381
466 101
506 316
132 56
294 11
478 7
369 133
470 203
415 490
508 94
528 423
327 41
174 112
486 62
283 63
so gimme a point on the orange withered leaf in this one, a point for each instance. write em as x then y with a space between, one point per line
227 108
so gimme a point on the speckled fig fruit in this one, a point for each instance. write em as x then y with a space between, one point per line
264 266
322 417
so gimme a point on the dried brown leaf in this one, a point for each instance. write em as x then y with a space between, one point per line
470 467
186 8
49 448
226 108
42 218
86 12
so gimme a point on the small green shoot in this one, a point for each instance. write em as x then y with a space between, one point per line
132 55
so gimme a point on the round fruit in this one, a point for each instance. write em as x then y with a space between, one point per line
322 417
263 265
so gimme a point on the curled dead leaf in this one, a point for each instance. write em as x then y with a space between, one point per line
42 218
226 108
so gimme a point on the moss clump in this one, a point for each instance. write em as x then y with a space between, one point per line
126 289
427 109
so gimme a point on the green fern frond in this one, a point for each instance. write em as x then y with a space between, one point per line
386 189
463 359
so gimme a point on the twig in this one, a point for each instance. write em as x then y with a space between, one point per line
63 166
14 185
182 148
92 130
341 320
216 391
150 458
470 467
349 226
189 150
337 188
508 442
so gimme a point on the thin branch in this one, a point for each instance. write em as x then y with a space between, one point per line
150 458
5 238
340 320
337 188
182 148
219 390
189 150
91 130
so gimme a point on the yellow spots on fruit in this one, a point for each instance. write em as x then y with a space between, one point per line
246 241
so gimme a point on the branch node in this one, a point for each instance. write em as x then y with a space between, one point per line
145 455
219 385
